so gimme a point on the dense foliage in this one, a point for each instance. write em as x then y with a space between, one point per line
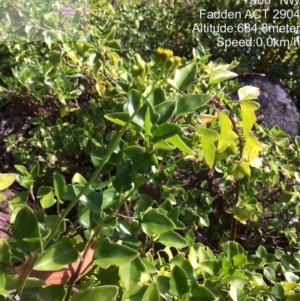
141 179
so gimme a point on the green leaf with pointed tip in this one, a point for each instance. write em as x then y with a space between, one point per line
26 227
240 170
3 291
78 178
166 110
91 198
163 283
185 76
103 293
158 97
119 118
123 181
60 186
155 223
189 103
6 180
227 135
242 214
248 116
172 239
57 256
152 293
20 198
208 144
290 263
107 253
178 282
47 200
134 102
203 293
114 44
248 93
252 147
218 75
130 272
141 159
4 253
164 131
210 266
177 141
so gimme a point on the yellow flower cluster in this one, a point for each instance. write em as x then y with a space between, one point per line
166 58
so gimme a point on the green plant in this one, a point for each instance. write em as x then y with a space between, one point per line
122 224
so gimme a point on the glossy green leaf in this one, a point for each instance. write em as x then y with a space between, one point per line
210 266
3 291
185 76
148 123
252 147
57 256
6 180
78 178
239 260
166 110
123 181
155 223
141 159
86 217
172 239
134 102
21 169
119 118
189 103
227 135
152 293
293 297
208 144
60 186
182 262
35 170
270 274
130 272
290 263
157 97
4 253
178 282
163 283
20 198
165 131
291 277
103 293
218 75
107 253
26 227
248 116
91 198
178 142
203 293
114 44
240 169
242 214
232 250
110 198
51 221
248 93
48 200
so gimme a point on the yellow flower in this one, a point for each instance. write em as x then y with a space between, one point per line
162 55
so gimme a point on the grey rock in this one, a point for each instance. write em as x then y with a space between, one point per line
277 107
